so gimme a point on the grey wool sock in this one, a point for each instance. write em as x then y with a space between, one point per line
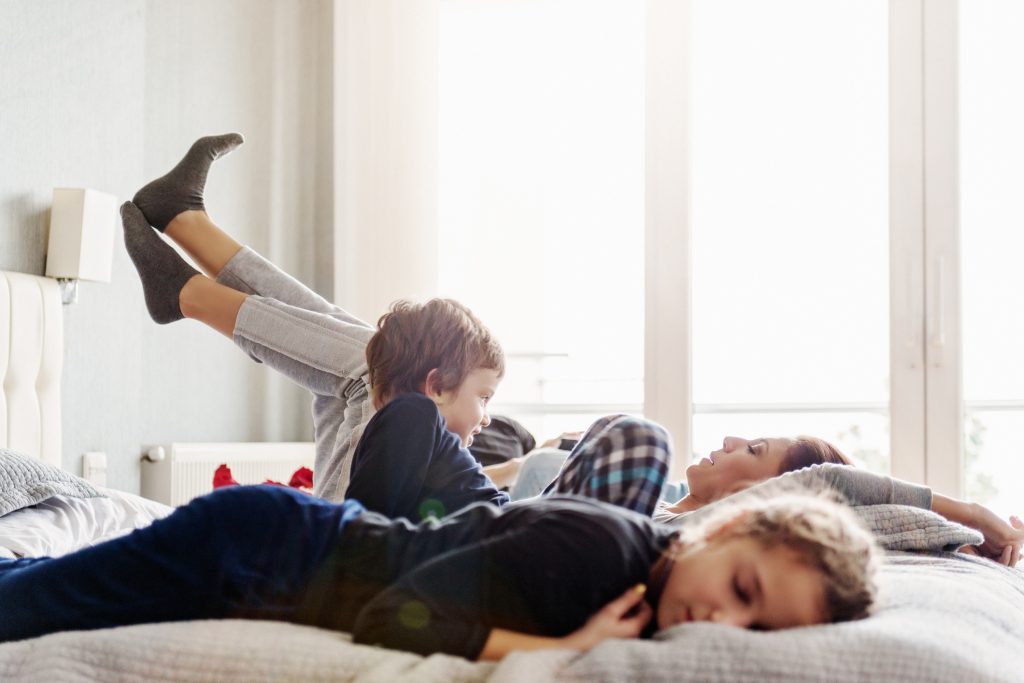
162 271
182 188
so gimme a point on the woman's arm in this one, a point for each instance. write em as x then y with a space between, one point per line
859 487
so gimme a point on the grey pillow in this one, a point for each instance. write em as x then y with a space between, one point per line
25 481
902 527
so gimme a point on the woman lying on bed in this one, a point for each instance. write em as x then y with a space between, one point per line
560 572
808 461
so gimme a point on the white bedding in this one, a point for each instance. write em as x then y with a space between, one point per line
943 618
222 650
62 524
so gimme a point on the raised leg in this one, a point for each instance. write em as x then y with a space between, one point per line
284 324
318 350
174 204
162 271
203 240
181 189
211 303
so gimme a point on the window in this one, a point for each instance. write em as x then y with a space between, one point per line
802 212
790 222
992 240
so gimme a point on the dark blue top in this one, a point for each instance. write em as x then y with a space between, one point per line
407 464
542 567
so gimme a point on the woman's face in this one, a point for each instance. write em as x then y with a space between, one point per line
739 582
738 464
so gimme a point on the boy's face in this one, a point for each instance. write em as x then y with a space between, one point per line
465 407
739 582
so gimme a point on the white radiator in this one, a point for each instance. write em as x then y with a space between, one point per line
176 473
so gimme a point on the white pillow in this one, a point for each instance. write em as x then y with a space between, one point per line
62 524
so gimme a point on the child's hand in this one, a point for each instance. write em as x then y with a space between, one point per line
623 617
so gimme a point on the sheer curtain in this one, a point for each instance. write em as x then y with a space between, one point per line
541 209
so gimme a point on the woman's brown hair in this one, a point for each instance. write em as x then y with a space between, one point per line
810 450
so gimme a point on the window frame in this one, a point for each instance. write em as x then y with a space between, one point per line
926 407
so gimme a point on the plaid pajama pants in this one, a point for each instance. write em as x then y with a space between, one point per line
621 460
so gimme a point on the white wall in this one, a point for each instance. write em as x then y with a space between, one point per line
109 93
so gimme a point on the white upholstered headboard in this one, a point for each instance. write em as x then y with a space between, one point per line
31 360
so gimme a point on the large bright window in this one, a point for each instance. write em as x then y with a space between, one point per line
836 210
992 240
541 197
790 222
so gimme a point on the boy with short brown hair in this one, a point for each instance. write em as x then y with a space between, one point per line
440 336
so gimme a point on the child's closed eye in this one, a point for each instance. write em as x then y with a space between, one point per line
741 592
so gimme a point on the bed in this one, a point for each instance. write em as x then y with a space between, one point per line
942 617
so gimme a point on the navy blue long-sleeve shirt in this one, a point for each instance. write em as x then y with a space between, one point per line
542 568
407 464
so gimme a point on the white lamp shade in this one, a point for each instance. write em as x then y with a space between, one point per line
81 234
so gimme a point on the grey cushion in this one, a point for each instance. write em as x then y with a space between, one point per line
25 481
901 527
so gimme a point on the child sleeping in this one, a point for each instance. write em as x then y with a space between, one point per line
560 572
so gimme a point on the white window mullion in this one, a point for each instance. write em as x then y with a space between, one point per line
667 334
906 226
944 416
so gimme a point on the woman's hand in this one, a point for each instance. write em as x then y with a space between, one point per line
1003 540
623 617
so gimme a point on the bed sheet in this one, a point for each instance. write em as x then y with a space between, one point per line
62 524
942 617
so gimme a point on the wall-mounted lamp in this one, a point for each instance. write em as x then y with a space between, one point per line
81 238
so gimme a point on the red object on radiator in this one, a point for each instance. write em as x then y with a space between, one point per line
222 477
302 479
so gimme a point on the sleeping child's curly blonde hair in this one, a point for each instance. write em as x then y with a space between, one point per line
824 534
